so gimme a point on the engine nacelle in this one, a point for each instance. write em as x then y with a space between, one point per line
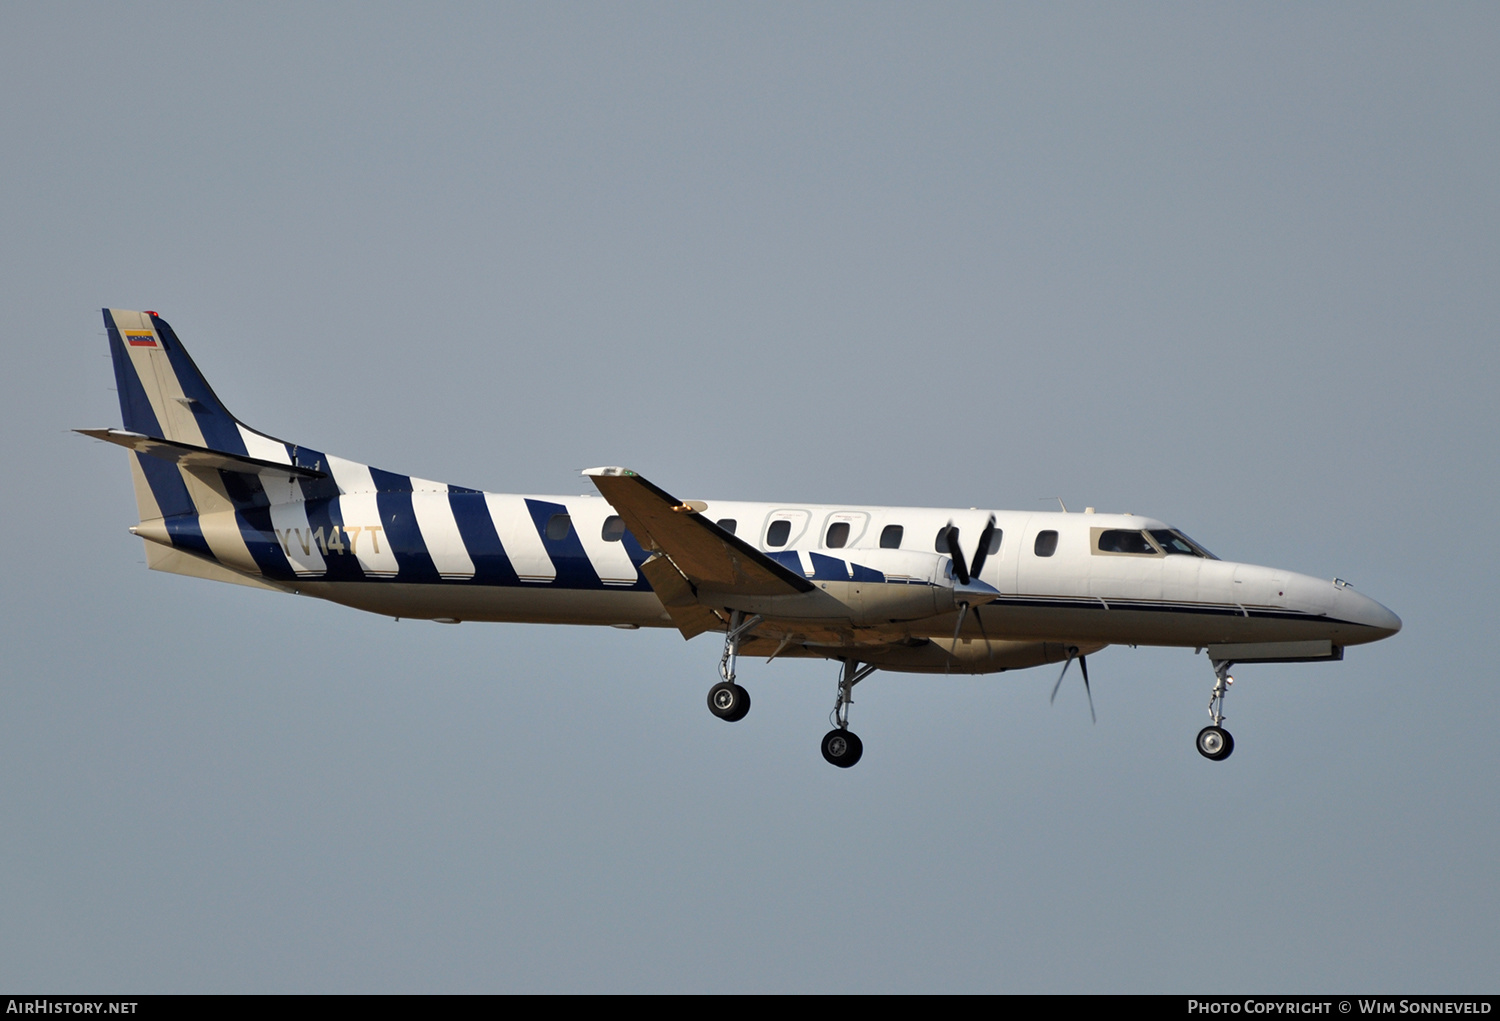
868 588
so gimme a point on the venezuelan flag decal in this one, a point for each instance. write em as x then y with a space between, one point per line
140 338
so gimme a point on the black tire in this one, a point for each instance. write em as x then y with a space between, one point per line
842 748
1215 744
744 705
728 702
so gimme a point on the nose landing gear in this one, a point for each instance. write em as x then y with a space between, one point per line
1214 742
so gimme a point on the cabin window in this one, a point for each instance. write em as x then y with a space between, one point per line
778 533
1046 543
558 527
614 529
994 543
838 535
890 537
1122 540
728 524
941 542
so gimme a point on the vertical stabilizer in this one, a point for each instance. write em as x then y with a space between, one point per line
196 509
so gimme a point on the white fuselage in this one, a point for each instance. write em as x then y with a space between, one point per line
1077 594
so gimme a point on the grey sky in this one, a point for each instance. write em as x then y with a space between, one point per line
1232 266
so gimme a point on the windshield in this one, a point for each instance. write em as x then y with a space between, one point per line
1173 541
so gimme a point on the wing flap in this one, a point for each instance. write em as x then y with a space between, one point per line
678 598
706 555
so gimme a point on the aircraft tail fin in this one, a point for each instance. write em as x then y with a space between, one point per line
163 397
204 482
162 393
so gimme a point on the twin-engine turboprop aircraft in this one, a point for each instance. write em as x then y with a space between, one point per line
892 588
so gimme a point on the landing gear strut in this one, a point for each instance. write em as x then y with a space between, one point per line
727 700
841 746
1214 742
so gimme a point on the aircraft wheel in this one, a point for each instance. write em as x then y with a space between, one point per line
842 748
1215 743
729 702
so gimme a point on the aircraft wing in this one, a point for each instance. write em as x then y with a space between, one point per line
703 554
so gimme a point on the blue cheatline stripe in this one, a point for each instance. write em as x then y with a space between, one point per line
1117 606
787 558
477 528
393 497
214 420
574 570
863 573
135 408
325 514
188 535
260 540
827 568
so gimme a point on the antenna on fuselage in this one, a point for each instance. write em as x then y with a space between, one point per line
1059 502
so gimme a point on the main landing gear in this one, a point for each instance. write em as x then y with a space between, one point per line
1214 742
730 702
841 746
727 700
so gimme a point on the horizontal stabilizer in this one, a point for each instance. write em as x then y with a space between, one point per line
186 455
175 561
707 556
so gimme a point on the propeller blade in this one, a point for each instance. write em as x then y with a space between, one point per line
1067 663
963 610
950 536
979 619
984 547
1083 664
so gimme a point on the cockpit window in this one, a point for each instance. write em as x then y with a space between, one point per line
1173 541
778 533
1122 540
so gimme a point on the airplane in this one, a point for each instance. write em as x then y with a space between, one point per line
900 589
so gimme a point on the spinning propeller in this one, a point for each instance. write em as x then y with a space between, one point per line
961 569
1083 664
950 536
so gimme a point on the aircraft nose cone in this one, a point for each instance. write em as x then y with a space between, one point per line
1372 615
